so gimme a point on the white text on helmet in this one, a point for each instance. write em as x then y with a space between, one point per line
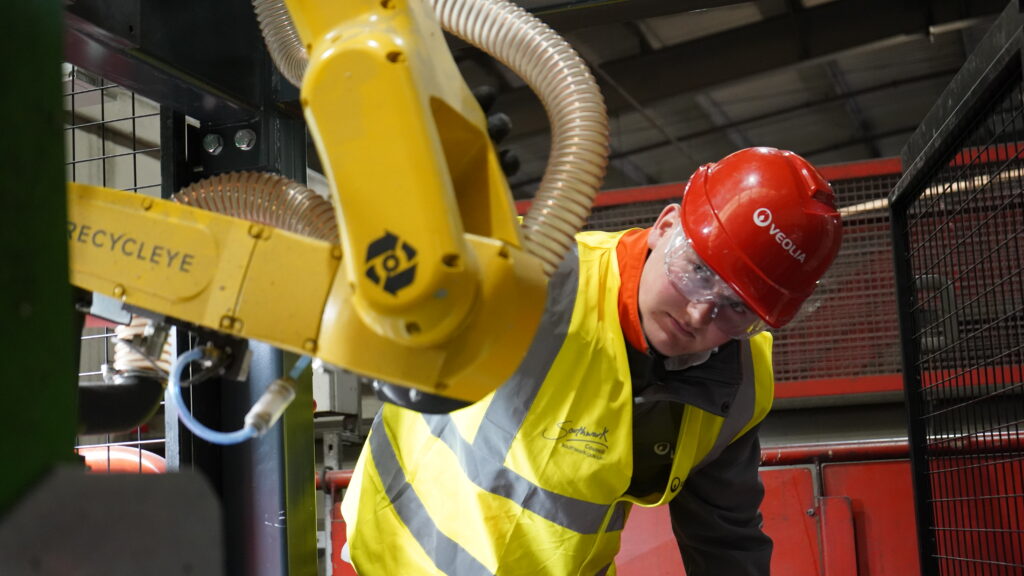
763 218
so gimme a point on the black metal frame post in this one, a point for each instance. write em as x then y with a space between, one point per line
916 430
933 148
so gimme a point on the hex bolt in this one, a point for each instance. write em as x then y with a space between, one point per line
213 144
245 139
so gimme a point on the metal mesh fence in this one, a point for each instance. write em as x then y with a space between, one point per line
965 240
111 138
851 327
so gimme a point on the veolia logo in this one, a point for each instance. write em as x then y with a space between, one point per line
763 218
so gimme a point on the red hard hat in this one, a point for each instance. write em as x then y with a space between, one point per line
766 222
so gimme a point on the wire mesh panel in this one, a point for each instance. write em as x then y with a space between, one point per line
958 225
966 238
111 138
625 216
850 329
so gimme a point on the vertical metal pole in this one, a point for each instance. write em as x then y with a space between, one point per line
254 480
266 485
39 323
916 429
173 174
268 482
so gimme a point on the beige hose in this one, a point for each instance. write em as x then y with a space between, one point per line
264 198
562 81
283 42
575 108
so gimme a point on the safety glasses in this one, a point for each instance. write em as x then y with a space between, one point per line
692 278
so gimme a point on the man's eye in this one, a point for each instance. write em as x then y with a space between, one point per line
701 271
738 308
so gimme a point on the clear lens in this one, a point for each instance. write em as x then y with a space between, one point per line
699 283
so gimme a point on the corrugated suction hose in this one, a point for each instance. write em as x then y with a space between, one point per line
264 198
575 108
282 41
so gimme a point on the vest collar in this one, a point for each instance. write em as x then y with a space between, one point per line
710 386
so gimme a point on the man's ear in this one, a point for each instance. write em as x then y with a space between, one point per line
668 218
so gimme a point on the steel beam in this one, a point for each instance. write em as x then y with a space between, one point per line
575 15
774 43
524 181
200 58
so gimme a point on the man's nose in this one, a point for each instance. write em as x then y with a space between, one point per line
700 313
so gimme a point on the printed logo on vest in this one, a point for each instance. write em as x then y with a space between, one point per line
591 442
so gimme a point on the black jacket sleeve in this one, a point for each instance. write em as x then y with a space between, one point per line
716 517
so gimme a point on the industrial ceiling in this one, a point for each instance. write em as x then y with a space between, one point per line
685 81
688 81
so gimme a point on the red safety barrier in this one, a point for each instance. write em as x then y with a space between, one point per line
672 192
336 479
881 500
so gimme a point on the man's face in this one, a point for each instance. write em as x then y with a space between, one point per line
672 323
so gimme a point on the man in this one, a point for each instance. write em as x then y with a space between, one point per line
645 384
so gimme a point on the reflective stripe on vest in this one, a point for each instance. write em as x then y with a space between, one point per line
742 409
444 551
572 513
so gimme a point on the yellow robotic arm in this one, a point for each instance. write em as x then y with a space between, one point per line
434 285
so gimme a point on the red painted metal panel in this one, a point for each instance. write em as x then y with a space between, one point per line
834 452
819 387
839 386
882 501
340 567
866 169
649 547
834 172
1000 153
674 191
839 548
789 495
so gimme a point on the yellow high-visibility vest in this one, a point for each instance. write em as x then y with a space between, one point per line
531 479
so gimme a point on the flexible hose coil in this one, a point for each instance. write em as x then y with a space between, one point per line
264 198
575 108
552 69
282 41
